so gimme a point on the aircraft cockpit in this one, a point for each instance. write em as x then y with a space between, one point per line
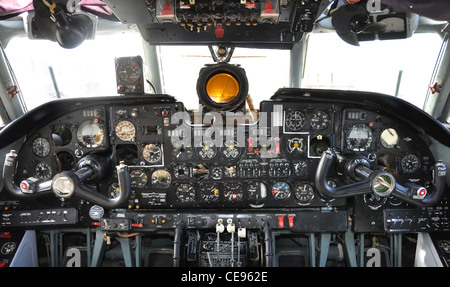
234 133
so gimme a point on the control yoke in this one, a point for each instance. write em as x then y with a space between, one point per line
379 182
68 183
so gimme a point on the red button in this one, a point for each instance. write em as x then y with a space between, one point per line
281 221
291 220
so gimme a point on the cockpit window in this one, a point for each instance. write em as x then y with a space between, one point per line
45 71
401 68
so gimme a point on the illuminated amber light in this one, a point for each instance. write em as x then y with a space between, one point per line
222 88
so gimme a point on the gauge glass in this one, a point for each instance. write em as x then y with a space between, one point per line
161 178
125 130
320 120
206 150
182 151
200 171
295 145
295 120
96 212
90 134
8 248
359 138
138 178
410 163
41 147
304 193
230 149
185 192
152 153
61 135
43 170
281 190
222 88
256 191
113 190
129 71
389 138
181 171
209 192
233 192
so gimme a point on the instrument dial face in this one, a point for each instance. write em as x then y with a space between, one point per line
230 149
281 190
295 120
206 150
185 192
320 120
43 170
152 153
222 88
90 134
257 191
129 71
410 163
182 151
389 138
209 192
96 212
138 178
41 147
125 130
296 145
161 178
233 192
304 193
181 171
359 138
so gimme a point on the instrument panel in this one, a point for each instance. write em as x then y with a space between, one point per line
265 165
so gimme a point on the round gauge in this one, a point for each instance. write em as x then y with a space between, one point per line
138 178
8 248
304 193
129 71
152 153
216 173
113 190
389 138
125 131
373 201
222 88
41 147
410 163
300 168
185 192
182 151
295 120
61 135
96 212
281 190
64 160
359 138
209 192
257 191
181 171
206 150
200 171
320 120
295 145
230 149
233 191
161 178
90 134
43 170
